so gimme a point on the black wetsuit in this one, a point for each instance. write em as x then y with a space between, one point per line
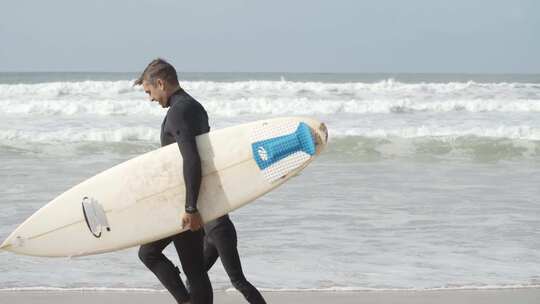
185 119
220 241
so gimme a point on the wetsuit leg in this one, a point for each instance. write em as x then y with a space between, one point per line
189 246
210 253
152 256
210 257
224 238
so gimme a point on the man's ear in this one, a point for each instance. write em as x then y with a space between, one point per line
160 84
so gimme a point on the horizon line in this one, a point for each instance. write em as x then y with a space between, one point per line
281 72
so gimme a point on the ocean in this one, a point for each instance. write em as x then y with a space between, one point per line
430 181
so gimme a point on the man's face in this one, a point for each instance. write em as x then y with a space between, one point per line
156 92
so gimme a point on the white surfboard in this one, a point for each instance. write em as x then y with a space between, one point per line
142 199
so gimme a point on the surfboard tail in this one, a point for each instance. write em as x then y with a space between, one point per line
272 150
281 149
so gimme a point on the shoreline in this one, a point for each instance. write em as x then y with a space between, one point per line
52 289
453 296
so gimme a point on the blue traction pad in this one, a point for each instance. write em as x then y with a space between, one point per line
270 151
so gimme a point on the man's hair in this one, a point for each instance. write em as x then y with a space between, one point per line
158 69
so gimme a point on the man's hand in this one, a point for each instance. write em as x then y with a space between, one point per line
192 221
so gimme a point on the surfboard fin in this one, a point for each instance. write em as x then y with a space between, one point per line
95 216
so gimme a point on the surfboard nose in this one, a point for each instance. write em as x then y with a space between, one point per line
5 245
15 242
319 132
323 134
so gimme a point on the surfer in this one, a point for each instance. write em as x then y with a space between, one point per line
185 119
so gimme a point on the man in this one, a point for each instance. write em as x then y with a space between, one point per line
185 119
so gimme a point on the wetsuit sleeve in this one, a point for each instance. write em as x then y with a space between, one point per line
182 129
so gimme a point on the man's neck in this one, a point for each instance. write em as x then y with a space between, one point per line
172 90
170 93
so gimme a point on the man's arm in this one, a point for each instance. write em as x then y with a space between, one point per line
192 173
184 134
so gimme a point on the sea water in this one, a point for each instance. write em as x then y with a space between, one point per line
429 181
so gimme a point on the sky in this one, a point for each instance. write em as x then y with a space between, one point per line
332 36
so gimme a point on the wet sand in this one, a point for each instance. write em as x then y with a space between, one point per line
487 296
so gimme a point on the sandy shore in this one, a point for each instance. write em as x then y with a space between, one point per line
491 296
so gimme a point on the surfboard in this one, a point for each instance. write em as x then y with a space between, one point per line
142 199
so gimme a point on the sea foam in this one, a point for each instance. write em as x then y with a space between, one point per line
232 99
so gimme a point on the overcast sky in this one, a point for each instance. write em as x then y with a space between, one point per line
272 35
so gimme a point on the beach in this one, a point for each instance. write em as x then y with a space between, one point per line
489 296
427 189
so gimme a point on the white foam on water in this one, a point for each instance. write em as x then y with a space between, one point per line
143 133
233 290
104 135
230 99
444 133
79 289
